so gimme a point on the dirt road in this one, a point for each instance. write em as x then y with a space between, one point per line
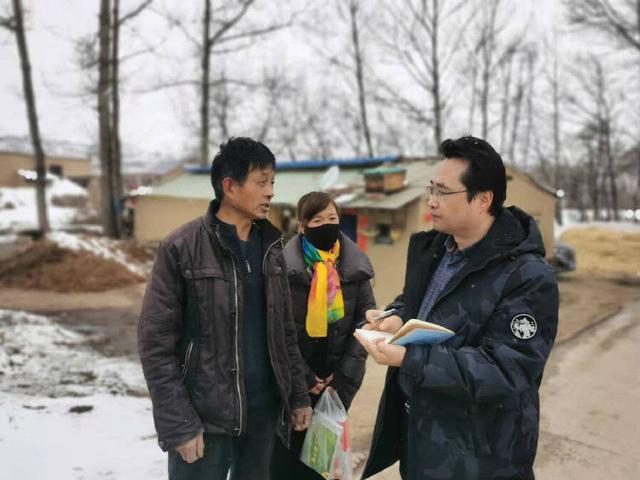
591 424
590 427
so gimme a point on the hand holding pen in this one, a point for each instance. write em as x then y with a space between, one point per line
386 321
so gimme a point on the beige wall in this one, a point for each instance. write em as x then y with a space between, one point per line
11 162
156 217
389 261
523 193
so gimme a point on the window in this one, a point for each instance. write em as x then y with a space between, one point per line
56 170
384 234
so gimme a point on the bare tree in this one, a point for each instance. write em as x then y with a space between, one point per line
101 53
221 35
117 21
358 61
15 23
413 36
522 98
599 108
491 46
619 21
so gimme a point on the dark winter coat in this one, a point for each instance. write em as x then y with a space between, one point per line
345 356
474 408
190 333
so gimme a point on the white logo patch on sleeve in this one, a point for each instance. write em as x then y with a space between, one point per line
524 326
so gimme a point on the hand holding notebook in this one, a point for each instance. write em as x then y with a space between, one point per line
414 332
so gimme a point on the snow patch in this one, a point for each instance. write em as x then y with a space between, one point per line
40 357
100 246
40 438
571 220
18 210
47 373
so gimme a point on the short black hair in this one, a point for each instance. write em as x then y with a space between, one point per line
486 172
236 158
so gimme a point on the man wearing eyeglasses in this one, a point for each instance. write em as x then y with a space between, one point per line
468 408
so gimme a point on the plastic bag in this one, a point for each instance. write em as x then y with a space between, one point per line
326 447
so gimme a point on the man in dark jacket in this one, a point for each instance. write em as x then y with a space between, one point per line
468 408
216 337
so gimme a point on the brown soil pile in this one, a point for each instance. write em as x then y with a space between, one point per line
45 266
137 252
604 253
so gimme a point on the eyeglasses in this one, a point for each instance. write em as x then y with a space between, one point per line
437 194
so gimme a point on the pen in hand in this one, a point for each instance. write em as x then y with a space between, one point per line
377 318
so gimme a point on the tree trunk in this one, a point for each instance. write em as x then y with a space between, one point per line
529 128
472 101
611 173
204 93
357 56
637 199
488 43
435 76
595 194
116 171
556 136
27 85
104 120
516 124
484 101
506 104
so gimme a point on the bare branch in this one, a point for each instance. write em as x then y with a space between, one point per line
602 16
8 20
227 25
135 12
254 33
192 83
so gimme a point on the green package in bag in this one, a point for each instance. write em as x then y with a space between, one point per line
326 446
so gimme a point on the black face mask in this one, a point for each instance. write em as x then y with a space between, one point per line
324 236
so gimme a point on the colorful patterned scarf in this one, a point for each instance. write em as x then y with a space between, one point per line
325 304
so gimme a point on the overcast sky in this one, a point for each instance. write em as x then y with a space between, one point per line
160 121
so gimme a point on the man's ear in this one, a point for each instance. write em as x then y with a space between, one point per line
228 186
300 229
485 199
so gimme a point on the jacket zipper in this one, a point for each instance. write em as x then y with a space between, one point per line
264 259
235 283
275 370
187 360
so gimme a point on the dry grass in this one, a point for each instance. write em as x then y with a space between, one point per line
605 254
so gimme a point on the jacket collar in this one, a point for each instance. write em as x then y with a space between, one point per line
513 233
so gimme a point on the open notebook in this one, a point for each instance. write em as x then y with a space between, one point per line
414 332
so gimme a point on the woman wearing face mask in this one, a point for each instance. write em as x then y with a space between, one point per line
330 285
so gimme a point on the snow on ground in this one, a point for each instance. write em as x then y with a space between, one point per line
571 220
41 357
11 238
41 439
47 370
100 246
18 205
